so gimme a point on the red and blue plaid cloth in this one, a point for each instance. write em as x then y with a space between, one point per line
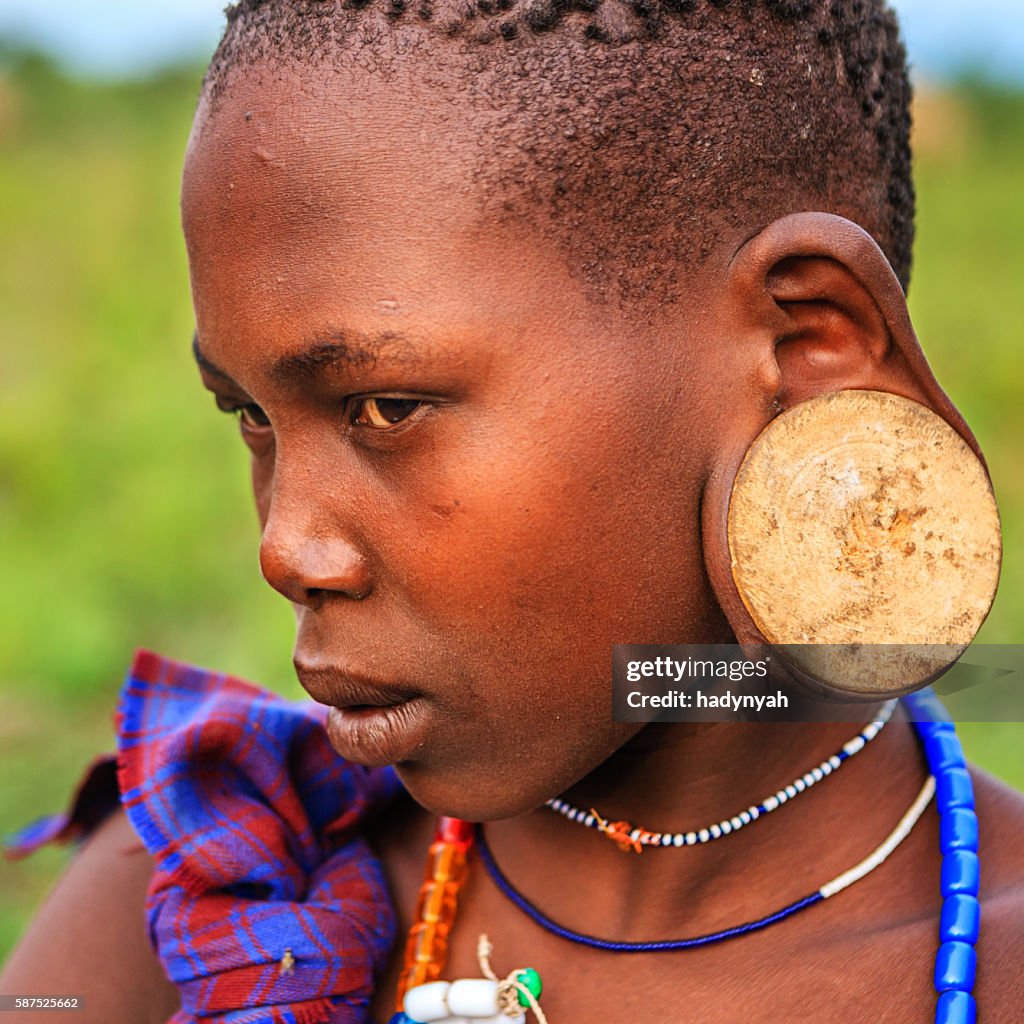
254 824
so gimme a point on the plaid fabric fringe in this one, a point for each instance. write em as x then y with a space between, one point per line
266 906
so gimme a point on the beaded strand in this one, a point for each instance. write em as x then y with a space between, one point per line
824 892
629 838
960 919
426 949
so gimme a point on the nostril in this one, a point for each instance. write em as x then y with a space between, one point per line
352 589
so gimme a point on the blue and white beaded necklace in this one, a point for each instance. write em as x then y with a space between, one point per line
629 838
949 783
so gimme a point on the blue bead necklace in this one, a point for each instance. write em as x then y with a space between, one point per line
950 783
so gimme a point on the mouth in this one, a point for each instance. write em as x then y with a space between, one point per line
370 722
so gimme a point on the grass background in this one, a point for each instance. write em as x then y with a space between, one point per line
125 519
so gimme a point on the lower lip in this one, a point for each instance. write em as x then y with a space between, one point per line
376 736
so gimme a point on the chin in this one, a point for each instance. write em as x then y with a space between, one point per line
469 796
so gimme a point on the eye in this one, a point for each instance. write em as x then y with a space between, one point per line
382 413
250 415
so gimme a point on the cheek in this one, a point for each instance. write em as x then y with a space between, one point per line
584 539
541 560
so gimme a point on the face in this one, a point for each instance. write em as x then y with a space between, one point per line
471 480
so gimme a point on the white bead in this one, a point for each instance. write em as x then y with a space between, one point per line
818 774
745 816
799 785
715 831
738 821
857 743
691 838
426 1003
770 803
808 779
834 761
589 821
703 835
500 1019
678 839
791 790
472 997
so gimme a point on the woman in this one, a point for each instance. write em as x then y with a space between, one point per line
502 296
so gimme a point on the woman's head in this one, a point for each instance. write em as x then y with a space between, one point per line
643 137
498 306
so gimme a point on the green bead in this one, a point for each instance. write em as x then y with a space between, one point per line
531 979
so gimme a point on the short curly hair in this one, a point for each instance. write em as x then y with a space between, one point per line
643 128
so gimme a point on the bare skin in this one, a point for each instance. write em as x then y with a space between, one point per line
542 498
89 938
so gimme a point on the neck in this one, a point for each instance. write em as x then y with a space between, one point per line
680 778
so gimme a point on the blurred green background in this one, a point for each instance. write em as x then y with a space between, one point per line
124 514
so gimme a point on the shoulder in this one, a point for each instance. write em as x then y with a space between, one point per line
1000 980
89 937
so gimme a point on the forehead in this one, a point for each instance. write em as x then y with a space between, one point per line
286 175
321 197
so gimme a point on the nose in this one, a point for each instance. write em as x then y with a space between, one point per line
305 560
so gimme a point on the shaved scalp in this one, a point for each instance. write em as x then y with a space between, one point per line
647 137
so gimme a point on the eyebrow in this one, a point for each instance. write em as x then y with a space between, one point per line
340 349
204 364
337 349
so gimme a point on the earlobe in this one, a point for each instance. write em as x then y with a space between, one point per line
864 542
862 514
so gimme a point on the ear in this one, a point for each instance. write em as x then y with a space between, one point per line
818 291
814 308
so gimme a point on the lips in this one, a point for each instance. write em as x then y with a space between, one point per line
372 723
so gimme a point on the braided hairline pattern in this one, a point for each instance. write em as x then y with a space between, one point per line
837 134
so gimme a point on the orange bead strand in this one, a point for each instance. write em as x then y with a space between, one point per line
426 948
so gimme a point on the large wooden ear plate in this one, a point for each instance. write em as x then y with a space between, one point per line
861 518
